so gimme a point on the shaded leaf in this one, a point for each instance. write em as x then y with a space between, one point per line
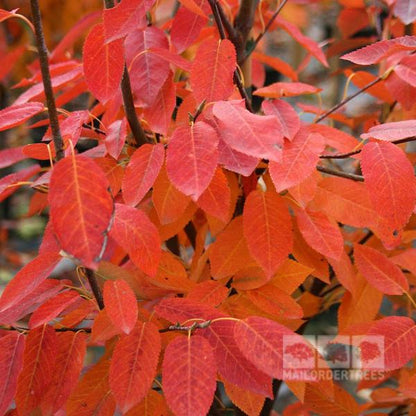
11 361
405 10
133 365
267 229
71 349
121 304
189 375
133 231
38 369
80 208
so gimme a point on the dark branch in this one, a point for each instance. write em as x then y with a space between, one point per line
95 288
46 78
340 173
266 29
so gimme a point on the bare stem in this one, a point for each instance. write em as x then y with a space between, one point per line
95 288
46 78
349 98
266 29
340 173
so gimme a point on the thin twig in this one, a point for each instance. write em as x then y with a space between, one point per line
340 173
356 152
95 288
187 328
46 79
349 98
266 29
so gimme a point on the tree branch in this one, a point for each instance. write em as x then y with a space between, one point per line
266 29
95 288
349 98
243 24
46 79
340 173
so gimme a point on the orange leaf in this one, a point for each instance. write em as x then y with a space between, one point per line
153 404
189 375
133 365
80 208
92 395
121 304
71 350
267 229
286 89
212 72
380 271
133 231
169 203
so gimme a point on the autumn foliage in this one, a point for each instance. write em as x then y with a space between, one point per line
209 214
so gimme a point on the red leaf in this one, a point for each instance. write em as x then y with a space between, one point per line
70 355
189 375
267 229
375 52
28 278
209 292
148 71
299 160
125 17
11 360
251 134
103 64
121 304
392 131
216 199
231 361
286 89
389 178
380 271
346 201
320 233
192 157
286 115
53 308
405 10
212 72
186 26
38 369
133 231
5 183
133 365
141 172
389 344
116 136
262 342
81 207
17 114
92 395
10 156
406 70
